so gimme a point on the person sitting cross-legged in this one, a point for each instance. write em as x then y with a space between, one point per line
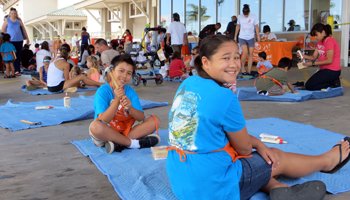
117 108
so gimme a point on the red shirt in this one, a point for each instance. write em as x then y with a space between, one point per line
329 44
128 38
176 68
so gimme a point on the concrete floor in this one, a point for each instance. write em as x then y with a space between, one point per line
41 163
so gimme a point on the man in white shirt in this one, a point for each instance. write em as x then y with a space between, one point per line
107 54
177 32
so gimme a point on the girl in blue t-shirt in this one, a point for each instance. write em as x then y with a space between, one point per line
117 107
8 53
211 154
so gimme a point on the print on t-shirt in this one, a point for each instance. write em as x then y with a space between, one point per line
183 120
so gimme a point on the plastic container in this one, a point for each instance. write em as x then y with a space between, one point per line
301 56
66 101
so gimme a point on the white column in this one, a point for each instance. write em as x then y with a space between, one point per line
345 29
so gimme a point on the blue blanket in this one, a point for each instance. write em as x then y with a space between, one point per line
81 108
245 77
250 94
41 91
138 175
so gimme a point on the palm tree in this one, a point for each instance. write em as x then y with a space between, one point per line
192 14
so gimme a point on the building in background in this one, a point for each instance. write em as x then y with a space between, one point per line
124 14
113 17
196 14
43 19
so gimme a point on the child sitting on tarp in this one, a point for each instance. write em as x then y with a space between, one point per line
35 83
177 67
117 107
93 72
275 81
263 65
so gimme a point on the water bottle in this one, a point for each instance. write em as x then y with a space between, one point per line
66 101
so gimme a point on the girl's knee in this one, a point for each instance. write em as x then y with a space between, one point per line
96 128
154 119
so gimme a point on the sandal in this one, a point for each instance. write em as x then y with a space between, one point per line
315 190
341 162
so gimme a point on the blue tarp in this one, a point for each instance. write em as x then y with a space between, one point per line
81 108
135 175
250 94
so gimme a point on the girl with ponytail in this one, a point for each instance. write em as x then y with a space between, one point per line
58 73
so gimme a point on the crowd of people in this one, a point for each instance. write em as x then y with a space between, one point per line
197 133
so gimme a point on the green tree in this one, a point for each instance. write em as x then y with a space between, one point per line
192 14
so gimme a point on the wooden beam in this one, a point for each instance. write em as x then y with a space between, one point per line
44 28
63 26
54 28
41 32
112 11
93 16
138 7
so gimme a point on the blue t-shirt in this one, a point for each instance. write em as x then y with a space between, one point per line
104 95
266 63
7 48
202 114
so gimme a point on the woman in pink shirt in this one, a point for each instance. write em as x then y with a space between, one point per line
327 57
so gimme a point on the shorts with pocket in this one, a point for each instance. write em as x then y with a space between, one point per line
250 43
256 173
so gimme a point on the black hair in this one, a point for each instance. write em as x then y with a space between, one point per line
47 58
285 62
266 29
26 46
319 27
83 29
101 41
45 45
123 58
6 37
262 55
91 49
176 17
176 55
246 9
127 30
36 45
328 29
218 24
64 51
13 9
208 47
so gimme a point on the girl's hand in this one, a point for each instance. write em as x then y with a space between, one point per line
307 64
269 156
125 102
119 93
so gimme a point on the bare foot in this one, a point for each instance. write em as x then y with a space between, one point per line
334 156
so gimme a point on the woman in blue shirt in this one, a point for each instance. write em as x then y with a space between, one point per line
14 26
211 154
